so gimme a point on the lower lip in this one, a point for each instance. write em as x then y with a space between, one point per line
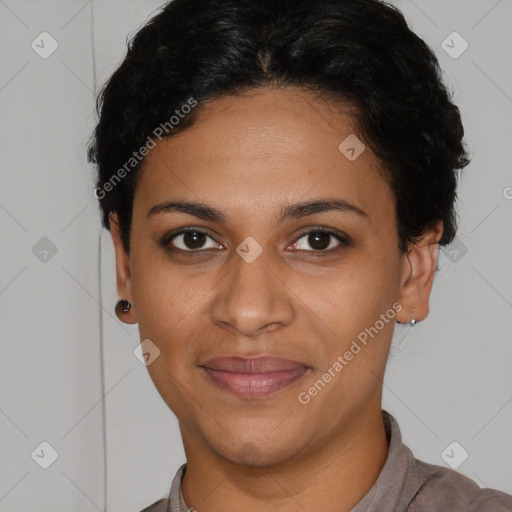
253 385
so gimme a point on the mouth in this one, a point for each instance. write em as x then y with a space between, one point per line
253 377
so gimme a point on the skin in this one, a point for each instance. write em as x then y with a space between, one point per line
248 156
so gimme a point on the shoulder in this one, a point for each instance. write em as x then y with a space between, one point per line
174 500
446 489
158 506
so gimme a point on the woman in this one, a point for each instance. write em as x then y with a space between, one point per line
277 177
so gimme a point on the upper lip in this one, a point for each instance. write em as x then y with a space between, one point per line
261 364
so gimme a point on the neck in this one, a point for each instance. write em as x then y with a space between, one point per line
332 477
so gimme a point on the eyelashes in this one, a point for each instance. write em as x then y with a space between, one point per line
198 237
325 234
183 233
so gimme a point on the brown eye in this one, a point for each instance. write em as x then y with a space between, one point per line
320 240
190 240
193 239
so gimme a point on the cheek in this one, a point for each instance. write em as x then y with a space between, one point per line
173 310
358 292
162 296
351 303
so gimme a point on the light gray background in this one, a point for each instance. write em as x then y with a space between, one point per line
68 373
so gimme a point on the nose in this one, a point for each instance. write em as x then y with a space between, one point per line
252 298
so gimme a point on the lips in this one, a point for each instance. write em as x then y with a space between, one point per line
253 377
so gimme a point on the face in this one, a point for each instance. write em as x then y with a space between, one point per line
260 278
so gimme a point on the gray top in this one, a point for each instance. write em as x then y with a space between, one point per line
404 484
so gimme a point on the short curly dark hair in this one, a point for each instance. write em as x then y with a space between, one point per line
359 52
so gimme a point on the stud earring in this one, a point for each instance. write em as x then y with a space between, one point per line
413 322
122 307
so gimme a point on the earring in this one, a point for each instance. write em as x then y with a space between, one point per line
413 322
122 307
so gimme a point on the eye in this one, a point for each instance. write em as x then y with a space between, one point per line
321 240
189 240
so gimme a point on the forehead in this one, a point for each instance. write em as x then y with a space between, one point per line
269 144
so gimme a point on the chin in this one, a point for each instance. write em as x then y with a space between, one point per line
256 453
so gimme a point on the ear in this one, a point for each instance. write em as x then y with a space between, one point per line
418 271
123 270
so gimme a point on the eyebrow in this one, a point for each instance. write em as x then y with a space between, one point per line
294 211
